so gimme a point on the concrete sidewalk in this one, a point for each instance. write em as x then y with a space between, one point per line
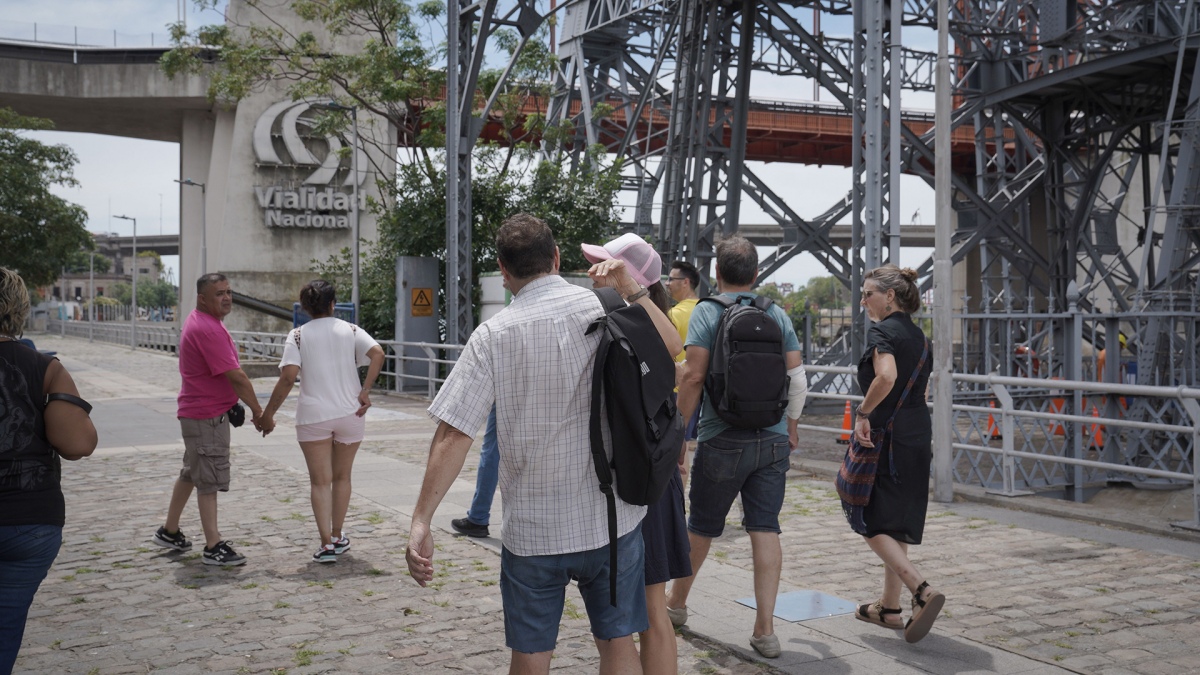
1026 593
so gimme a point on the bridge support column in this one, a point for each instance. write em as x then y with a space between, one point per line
195 158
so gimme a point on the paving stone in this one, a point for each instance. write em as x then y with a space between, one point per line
1119 609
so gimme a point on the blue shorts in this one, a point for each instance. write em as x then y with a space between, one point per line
753 463
534 588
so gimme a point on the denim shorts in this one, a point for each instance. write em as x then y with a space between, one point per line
753 463
534 588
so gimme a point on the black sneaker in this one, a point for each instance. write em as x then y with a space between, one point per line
464 526
223 555
341 544
325 554
174 541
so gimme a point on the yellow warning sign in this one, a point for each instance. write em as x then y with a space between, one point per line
422 302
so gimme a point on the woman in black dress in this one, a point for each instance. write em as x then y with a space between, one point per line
895 516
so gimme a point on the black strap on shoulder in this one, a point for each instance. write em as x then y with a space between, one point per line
610 299
72 399
599 457
721 300
762 302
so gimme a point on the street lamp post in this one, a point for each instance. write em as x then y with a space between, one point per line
91 296
353 110
203 223
133 300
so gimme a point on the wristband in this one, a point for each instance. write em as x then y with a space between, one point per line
863 413
637 296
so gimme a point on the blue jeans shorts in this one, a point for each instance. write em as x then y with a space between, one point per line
753 463
534 588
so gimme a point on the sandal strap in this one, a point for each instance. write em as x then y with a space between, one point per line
917 599
888 610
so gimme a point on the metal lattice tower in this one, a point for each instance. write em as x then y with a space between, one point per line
1085 118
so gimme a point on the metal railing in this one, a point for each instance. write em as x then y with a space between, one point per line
57 34
1012 435
409 367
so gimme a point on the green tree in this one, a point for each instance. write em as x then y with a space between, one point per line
156 293
81 261
826 293
40 231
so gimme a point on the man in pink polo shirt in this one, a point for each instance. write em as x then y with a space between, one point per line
213 381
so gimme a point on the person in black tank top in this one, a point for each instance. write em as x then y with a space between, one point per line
895 516
42 420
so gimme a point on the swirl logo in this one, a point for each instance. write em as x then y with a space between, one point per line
285 120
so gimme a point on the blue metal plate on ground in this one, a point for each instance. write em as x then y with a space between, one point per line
797 606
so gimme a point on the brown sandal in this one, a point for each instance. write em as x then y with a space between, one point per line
875 613
926 604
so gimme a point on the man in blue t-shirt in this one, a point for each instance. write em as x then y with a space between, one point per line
731 461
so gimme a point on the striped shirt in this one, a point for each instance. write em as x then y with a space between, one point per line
534 361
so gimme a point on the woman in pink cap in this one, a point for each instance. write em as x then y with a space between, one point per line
664 531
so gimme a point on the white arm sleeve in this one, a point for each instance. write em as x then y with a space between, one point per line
797 391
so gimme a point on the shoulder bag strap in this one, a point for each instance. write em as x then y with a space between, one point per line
599 457
912 380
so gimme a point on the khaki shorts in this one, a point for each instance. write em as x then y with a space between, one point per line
206 454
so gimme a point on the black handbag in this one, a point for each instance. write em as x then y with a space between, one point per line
237 415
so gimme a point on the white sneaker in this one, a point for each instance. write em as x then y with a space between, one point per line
767 645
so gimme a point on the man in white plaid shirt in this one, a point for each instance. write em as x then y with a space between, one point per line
534 361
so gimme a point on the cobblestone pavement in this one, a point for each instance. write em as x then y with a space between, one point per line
1062 592
115 603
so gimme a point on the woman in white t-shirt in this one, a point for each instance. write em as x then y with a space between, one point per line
330 413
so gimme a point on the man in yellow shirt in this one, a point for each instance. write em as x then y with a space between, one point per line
682 282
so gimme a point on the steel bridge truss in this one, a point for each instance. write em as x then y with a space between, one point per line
1085 117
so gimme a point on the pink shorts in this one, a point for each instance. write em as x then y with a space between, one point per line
344 430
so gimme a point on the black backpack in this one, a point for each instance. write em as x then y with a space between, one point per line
747 381
635 375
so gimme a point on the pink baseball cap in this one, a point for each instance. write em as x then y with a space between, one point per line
640 258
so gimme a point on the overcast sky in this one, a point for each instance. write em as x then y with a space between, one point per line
134 177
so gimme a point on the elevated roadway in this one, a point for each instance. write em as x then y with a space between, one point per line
124 92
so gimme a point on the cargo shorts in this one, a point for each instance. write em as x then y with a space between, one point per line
206 453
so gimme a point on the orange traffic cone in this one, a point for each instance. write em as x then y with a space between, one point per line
993 430
847 425
1096 431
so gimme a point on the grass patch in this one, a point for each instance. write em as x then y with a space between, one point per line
303 656
79 600
374 518
96 539
268 519
324 582
281 605
375 572
247 586
122 565
571 611
368 593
